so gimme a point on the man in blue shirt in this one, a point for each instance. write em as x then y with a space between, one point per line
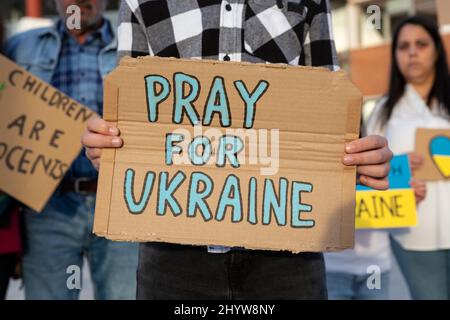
74 60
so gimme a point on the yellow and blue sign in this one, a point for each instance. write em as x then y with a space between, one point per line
393 208
440 153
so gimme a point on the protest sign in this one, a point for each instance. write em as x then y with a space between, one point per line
434 145
393 208
40 133
235 154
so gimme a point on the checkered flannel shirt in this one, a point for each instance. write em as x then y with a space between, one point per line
296 32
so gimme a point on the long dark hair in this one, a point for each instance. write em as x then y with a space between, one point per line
441 87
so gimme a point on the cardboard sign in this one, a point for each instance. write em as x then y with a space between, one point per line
40 130
443 12
434 145
393 208
235 154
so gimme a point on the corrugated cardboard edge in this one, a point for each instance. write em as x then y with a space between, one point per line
349 178
106 174
133 62
291 245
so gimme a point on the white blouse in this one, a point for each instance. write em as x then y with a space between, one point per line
433 229
411 112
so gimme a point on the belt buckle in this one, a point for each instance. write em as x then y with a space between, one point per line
76 185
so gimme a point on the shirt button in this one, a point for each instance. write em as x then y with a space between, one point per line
226 58
228 7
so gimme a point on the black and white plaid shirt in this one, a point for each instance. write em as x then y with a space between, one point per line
297 32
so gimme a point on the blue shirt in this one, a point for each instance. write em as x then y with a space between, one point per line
77 74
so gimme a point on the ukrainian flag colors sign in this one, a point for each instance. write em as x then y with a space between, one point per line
434 145
393 208
440 153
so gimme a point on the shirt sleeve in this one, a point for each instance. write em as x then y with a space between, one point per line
319 46
132 40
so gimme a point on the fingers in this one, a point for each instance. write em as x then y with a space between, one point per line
415 160
374 171
367 151
377 184
96 140
98 125
96 163
372 157
93 153
365 144
419 187
101 134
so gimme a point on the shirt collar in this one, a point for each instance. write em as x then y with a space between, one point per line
104 32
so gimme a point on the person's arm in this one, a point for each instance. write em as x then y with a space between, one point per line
132 40
319 47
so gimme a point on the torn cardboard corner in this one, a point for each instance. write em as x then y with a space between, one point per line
40 131
434 146
234 154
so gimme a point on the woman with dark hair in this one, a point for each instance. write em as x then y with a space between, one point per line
419 97
10 242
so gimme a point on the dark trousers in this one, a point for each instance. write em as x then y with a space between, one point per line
169 271
7 265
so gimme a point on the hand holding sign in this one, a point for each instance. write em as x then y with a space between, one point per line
420 190
371 155
415 160
99 134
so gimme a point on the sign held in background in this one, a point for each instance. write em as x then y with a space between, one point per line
40 130
434 145
393 208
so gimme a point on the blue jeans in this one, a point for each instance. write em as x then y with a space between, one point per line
59 237
426 272
346 286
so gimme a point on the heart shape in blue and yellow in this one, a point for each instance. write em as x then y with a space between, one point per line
440 153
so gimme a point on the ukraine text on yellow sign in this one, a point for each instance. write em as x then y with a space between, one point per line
393 208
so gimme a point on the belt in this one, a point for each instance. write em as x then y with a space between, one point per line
80 185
